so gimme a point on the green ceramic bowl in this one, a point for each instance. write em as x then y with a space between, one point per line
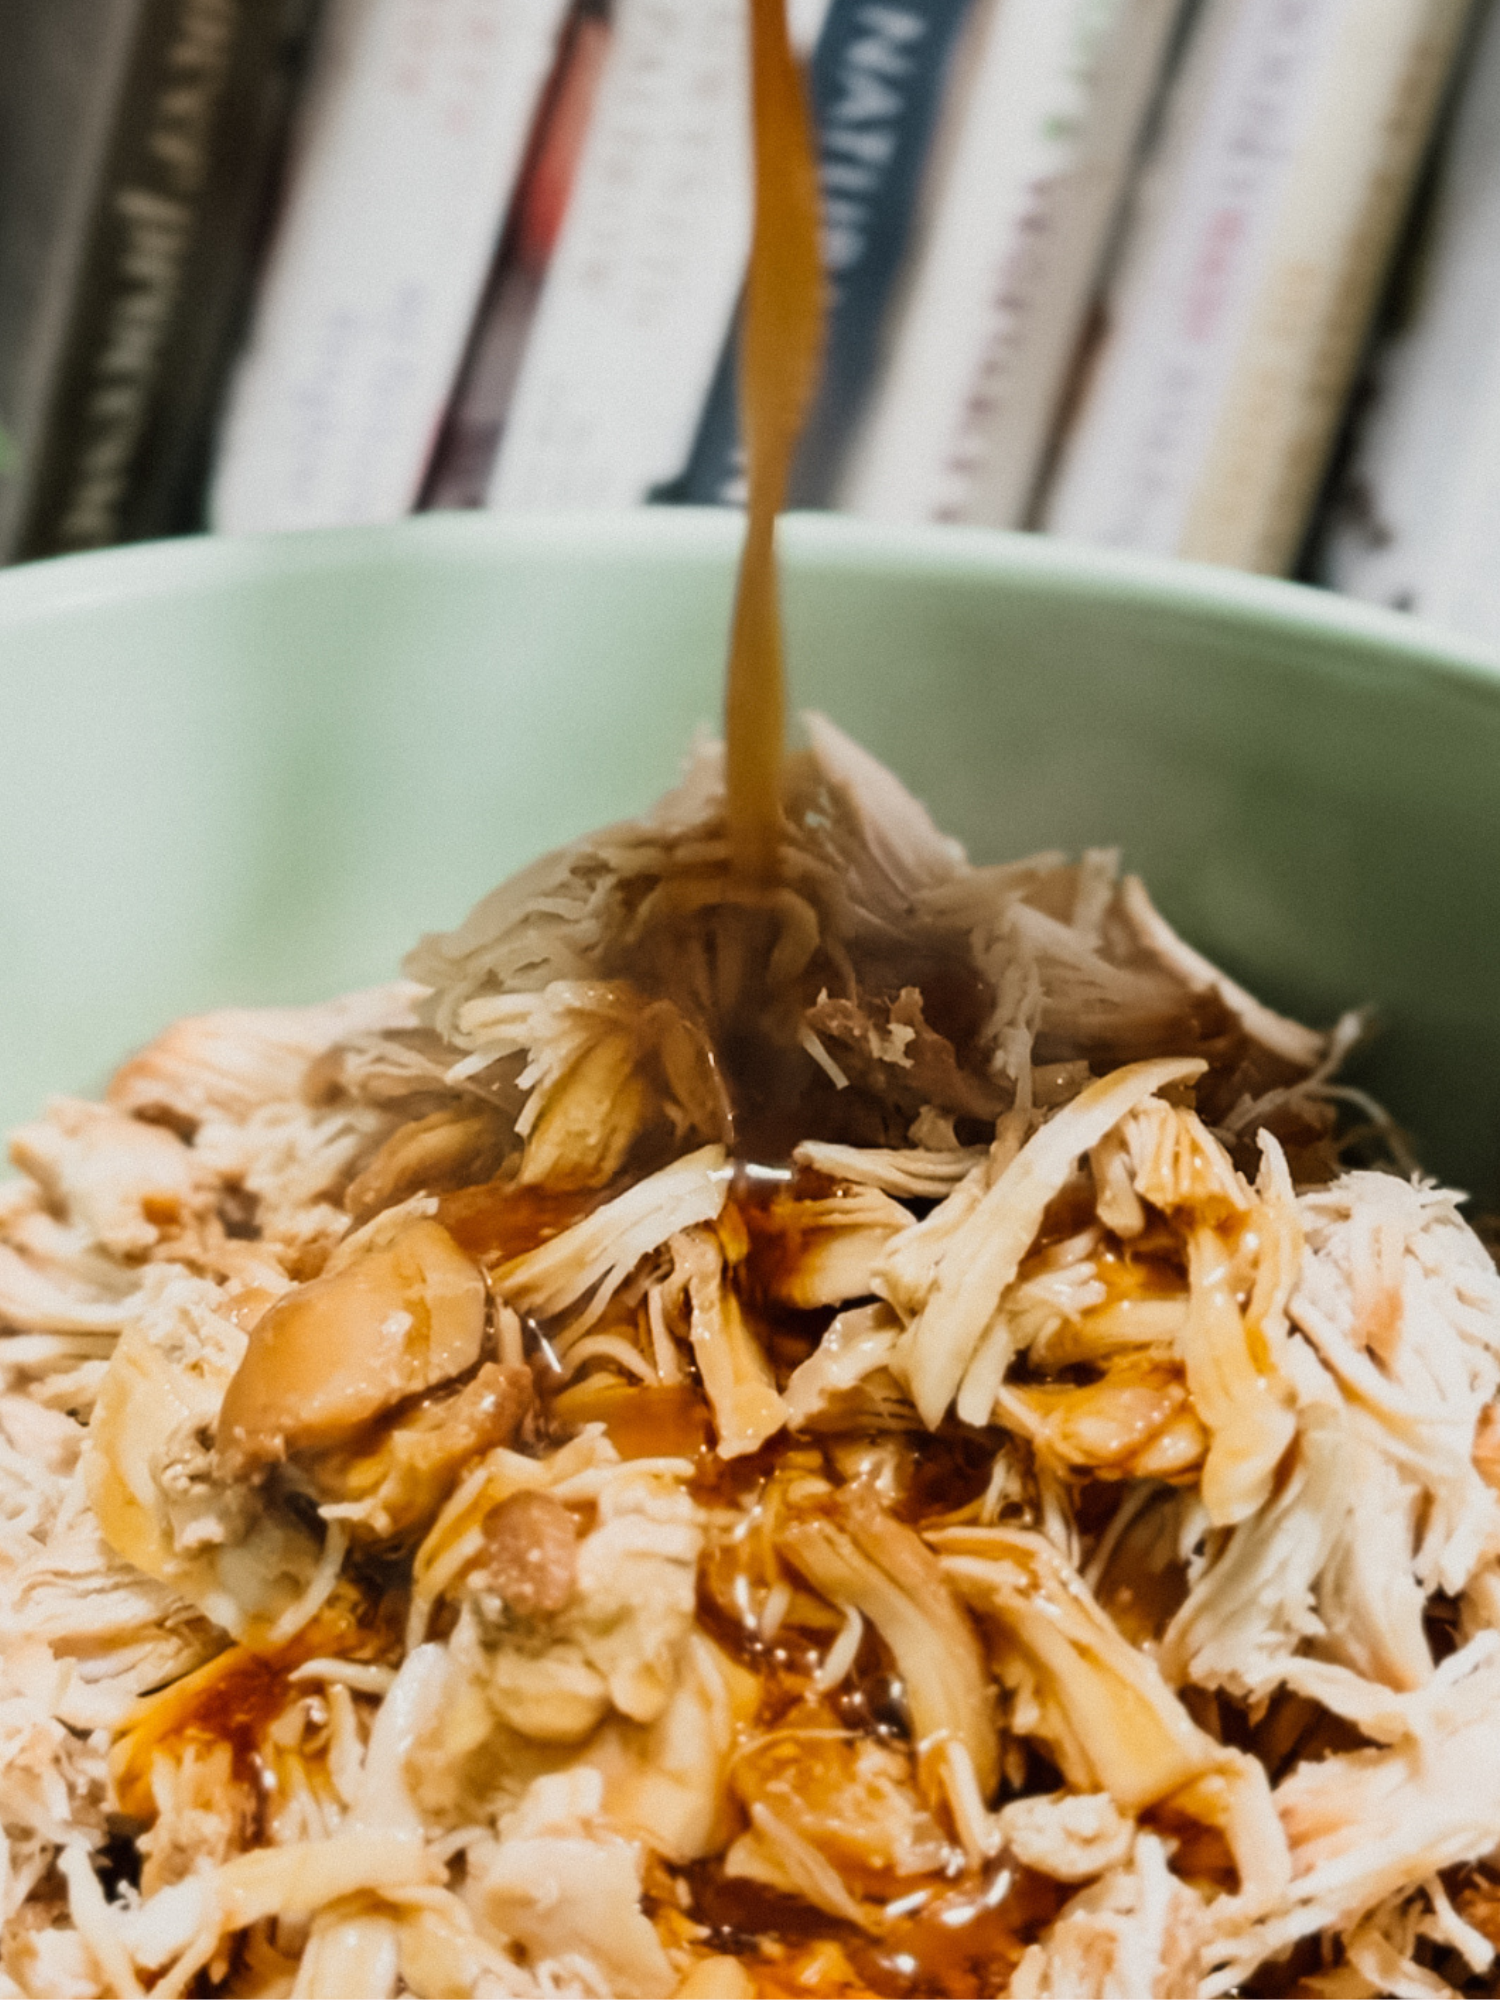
254 771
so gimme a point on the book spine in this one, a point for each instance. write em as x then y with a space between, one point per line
1026 188
414 128
464 461
62 70
645 270
644 278
1464 586
1414 521
1246 291
170 490
163 259
878 79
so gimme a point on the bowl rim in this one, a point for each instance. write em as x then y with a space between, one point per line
33 592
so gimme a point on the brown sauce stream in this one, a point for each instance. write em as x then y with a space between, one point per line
780 353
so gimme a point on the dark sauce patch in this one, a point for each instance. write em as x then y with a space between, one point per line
769 1203
239 1212
965 1943
964 1940
232 1700
784 1665
500 1219
641 1420
951 1470
118 1862
739 1913
871 1698
235 1697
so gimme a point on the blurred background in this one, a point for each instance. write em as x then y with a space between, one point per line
1213 278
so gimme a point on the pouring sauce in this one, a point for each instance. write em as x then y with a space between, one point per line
959 1939
957 1936
967 1940
780 353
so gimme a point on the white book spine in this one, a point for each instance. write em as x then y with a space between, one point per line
1417 524
414 129
1024 189
1247 285
1463 589
643 282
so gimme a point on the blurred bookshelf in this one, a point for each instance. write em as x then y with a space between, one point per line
1217 279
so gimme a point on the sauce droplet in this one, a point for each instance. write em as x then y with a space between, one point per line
780 353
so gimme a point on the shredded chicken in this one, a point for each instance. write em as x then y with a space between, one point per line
732 1439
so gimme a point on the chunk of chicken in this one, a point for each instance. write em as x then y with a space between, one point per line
227 1064
331 1356
122 1181
573 1895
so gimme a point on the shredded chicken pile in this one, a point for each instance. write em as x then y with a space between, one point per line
858 1437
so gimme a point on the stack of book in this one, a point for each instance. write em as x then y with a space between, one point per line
1114 269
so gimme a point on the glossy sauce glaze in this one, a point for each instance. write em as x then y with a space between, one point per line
237 1697
502 1219
956 1936
961 1939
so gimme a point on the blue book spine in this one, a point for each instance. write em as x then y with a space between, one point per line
878 79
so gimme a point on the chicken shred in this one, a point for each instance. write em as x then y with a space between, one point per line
738 1440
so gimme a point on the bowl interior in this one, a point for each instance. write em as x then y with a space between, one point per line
246 772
